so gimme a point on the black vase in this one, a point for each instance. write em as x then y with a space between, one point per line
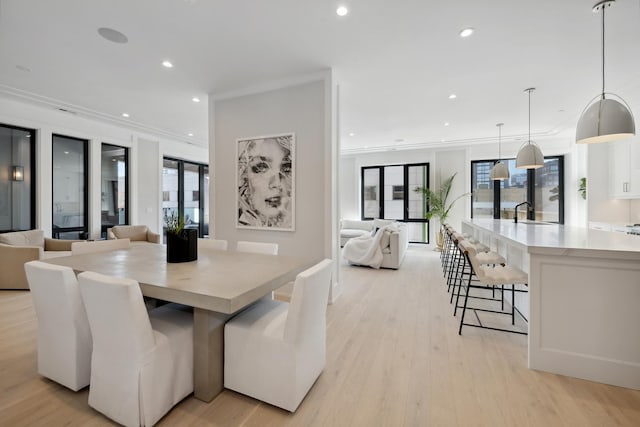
182 247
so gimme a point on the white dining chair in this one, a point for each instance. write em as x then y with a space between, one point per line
142 364
64 338
80 248
275 351
213 244
257 247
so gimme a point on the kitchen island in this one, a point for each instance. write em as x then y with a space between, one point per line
583 305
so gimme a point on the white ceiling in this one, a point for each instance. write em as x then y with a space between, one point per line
396 61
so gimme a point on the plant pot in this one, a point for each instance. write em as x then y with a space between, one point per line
182 247
439 240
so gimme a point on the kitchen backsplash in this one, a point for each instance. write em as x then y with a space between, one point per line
634 211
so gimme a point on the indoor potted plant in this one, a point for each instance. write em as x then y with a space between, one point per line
182 243
437 204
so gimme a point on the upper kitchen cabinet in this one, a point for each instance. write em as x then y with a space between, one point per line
624 169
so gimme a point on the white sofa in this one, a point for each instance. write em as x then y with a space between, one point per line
393 254
393 243
350 228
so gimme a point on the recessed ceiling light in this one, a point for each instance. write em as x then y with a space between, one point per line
446 123
352 134
167 64
190 133
66 152
195 99
342 11
442 140
453 96
125 114
114 160
466 32
112 35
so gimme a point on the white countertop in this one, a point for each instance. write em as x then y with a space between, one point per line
560 239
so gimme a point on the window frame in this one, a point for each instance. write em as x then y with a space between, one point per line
127 205
381 196
531 188
55 231
181 191
34 178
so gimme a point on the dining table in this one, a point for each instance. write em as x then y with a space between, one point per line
217 285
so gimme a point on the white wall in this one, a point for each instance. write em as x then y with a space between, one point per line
145 160
305 109
446 164
350 190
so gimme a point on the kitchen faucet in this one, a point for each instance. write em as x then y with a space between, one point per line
515 210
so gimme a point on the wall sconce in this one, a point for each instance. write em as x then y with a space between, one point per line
18 173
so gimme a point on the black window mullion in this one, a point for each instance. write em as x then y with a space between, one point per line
381 180
181 189
531 193
201 200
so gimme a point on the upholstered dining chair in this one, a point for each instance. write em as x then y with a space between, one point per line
80 248
275 351
213 244
64 338
257 247
142 364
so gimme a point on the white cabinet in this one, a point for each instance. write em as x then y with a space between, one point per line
624 169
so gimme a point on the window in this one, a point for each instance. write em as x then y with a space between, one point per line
69 184
542 187
185 192
115 182
388 193
17 179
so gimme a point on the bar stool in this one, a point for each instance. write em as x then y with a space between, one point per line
489 278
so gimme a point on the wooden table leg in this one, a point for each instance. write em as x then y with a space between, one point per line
208 353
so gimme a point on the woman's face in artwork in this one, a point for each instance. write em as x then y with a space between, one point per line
269 177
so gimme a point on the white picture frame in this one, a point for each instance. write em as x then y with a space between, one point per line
265 182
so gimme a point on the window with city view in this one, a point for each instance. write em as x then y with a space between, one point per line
543 188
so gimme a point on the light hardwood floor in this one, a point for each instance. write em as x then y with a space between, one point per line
394 359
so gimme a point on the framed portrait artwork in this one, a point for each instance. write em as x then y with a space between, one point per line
265 182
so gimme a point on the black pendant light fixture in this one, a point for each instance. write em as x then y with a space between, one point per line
500 171
605 119
529 156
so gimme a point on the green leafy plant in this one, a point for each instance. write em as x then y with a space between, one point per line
437 201
174 223
582 188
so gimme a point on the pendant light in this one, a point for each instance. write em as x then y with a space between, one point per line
500 171
605 119
529 156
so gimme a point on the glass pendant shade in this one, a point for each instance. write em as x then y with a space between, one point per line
605 120
529 156
500 171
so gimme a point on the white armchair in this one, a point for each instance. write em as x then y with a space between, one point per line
142 365
275 351
64 338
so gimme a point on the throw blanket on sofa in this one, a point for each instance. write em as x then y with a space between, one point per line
366 250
